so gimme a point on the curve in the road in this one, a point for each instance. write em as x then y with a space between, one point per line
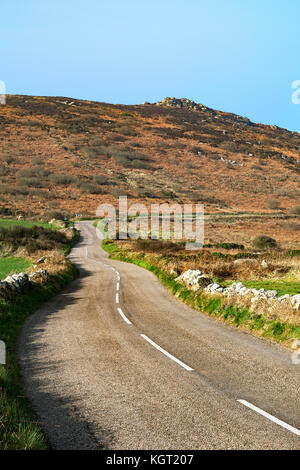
117 362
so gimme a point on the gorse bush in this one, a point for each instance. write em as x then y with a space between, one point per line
101 179
31 238
263 242
273 204
91 188
158 246
36 171
32 182
294 210
61 179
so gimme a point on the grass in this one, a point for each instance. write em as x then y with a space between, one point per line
12 265
216 307
7 223
283 287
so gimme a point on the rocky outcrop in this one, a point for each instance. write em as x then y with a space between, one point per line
181 103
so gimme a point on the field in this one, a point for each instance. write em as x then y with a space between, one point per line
11 265
6 223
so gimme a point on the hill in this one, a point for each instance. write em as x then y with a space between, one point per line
65 154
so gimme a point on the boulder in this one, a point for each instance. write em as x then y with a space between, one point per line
295 301
194 279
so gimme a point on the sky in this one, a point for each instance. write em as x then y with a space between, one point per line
239 56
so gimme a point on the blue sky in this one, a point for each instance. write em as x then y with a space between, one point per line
235 55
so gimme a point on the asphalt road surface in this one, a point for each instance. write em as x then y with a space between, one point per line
116 362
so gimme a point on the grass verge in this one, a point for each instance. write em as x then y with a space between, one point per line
240 317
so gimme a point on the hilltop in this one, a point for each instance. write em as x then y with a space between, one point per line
65 154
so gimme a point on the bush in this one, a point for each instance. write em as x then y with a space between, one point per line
32 182
128 131
294 210
273 204
61 179
140 165
101 179
91 188
55 215
157 246
32 238
263 242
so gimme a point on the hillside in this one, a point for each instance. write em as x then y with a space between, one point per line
65 154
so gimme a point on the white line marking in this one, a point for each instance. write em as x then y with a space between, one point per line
117 298
270 417
118 285
124 317
118 277
182 364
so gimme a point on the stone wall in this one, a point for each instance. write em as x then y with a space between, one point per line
18 284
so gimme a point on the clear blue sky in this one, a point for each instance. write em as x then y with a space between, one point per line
235 55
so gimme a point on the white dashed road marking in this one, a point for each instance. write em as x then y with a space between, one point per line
182 364
270 417
124 317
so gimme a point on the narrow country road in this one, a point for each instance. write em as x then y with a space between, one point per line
116 362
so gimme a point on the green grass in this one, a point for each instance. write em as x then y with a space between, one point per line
12 265
7 223
18 426
283 287
213 306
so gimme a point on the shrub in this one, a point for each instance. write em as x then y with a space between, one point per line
263 242
55 215
32 238
7 159
61 179
273 204
157 246
117 192
294 210
101 179
91 188
33 171
32 182
140 164
37 161
128 131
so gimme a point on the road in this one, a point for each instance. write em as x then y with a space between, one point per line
116 362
